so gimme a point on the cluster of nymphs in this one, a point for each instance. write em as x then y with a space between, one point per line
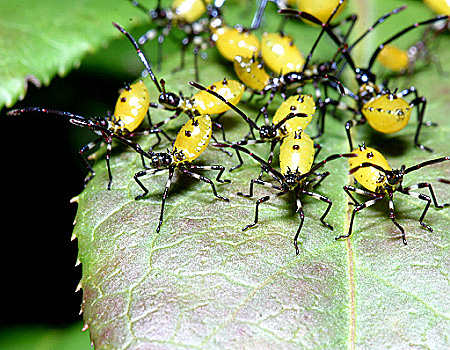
297 172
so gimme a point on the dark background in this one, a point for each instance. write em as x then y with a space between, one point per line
41 172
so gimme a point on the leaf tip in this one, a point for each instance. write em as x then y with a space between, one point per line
10 99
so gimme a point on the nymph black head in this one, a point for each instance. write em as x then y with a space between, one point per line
267 132
160 160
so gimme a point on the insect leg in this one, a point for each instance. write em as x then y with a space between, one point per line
166 190
350 124
223 135
350 19
262 200
413 90
302 219
348 188
323 199
319 178
83 150
358 207
427 206
155 131
259 182
423 102
425 185
140 54
269 160
337 105
392 216
406 190
272 147
250 193
196 49
410 90
325 161
220 126
165 121
400 33
184 45
263 110
161 39
165 195
202 178
259 15
320 101
141 185
318 148
267 168
240 162
238 154
108 139
220 168
426 163
325 26
444 181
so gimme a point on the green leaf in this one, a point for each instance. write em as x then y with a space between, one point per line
203 283
44 338
40 39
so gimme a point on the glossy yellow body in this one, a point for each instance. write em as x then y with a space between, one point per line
295 104
296 153
370 178
441 7
232 42
192 139
205 103
280 53
131 107
394 58
189 10
321 9
387 113
251 73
